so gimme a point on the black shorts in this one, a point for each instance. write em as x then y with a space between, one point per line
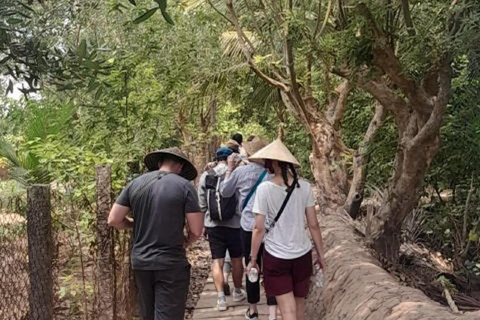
222 239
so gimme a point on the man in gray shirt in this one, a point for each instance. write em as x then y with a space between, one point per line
223 230
242 181
162 201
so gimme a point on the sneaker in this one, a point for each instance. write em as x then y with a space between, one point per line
251 316
239 296
222 304
226 289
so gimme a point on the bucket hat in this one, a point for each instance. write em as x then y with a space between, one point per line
153 158
223 153
254 145
275 151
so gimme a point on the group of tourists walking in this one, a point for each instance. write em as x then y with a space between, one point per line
252 207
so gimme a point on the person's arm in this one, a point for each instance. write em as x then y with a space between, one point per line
194 226
202 193
229 185
314 228
194 216
257 237
118 217
260 208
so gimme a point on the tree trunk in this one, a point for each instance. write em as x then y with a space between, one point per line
326 159
360 161
40 253
358 288
105 302
411 164
326 165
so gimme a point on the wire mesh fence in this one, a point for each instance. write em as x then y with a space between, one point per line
14 279
50 260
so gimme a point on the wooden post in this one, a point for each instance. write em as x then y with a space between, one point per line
40 252
105 303
131 306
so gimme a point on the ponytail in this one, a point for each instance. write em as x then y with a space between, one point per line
285 166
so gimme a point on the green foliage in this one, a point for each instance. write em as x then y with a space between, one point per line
459 153
162 5
118 84
33 51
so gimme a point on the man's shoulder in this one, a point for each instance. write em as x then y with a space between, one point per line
177 179
144 177
170 177
247 168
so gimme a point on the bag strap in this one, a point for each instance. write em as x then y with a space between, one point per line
284 204
252 191
146 186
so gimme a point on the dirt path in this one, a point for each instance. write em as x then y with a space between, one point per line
206 306
199 256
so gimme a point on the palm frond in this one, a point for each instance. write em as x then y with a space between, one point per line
232 46
24 167
8 152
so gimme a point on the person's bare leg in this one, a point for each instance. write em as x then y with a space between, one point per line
217 272
272 312
300 306
237 272
286 303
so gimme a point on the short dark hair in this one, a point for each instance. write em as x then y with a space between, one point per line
237 137
171 158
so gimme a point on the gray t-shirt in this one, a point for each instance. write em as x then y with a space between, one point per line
234 222
288 239
159 219
241 181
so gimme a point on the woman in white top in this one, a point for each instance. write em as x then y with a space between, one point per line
288 250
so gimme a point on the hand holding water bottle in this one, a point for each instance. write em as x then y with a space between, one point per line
252 271
318 272
318 276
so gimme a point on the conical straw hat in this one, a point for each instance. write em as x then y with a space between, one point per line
275 151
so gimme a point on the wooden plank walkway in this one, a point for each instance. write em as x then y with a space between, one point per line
207 305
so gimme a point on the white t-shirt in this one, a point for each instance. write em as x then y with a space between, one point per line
288 239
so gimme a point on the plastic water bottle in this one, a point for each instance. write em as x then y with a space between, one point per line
253 275
319 277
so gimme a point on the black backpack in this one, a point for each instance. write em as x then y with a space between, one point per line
220 208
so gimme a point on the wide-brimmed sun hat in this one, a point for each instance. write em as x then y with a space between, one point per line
153 158
255 144
275 151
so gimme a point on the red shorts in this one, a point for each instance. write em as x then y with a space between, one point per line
282 276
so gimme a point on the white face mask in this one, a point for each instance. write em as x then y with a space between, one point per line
221 165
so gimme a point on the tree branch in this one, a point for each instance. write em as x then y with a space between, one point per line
242 38
385 58
317 25
378 89
325 21
408 18
360 161
434 122
219 12
308 85
291 66
337 106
